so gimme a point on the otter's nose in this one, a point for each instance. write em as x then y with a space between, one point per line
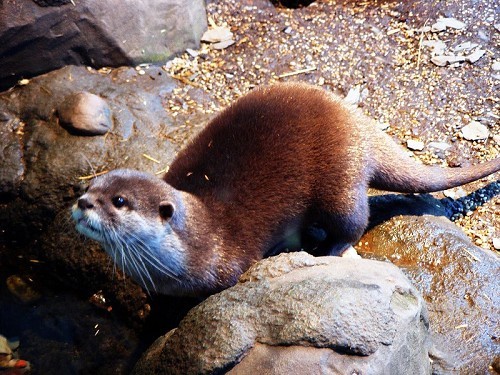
84 204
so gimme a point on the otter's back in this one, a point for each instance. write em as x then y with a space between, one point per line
280 137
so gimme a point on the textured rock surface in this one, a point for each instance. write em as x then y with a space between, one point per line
458 280
37 39
296 303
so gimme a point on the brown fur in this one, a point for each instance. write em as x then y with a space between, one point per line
277 161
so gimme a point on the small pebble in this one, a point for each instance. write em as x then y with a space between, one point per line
192 52
443 23
354 95
442 146
476 55
415 145
496 243
223 44
22 289
475 131
465 46
217 34
455 193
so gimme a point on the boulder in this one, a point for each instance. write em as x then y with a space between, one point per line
458 280
296 314
41 36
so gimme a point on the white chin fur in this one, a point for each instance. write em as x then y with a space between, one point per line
87 224
88 232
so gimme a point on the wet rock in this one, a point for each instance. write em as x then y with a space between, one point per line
457 279
475 131
93 33
85 113
296 304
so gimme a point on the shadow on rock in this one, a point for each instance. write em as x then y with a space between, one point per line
385 207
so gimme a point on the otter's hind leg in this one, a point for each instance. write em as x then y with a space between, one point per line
344 225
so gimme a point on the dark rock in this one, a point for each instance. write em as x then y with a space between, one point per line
43 165
37 39
12 169
296 304
85 113
457 279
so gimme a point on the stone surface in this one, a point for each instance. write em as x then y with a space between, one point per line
37 38
458 280
12 169
85 113
296 303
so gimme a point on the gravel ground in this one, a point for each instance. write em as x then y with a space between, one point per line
377 52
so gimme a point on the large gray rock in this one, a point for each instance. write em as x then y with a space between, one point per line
296 314
37 39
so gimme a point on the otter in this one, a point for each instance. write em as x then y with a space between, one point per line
278 161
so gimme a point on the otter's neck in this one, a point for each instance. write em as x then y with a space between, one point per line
201 226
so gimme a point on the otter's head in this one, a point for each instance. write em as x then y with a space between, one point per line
137 217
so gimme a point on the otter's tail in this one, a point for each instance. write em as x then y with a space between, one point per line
394 170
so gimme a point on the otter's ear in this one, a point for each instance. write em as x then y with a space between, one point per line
166 210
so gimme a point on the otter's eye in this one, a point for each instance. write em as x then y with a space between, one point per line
119 202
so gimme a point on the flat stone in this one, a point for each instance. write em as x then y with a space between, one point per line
441 146
415 145
475 131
